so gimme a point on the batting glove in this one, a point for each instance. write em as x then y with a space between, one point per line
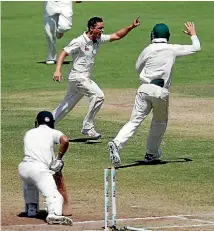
57 165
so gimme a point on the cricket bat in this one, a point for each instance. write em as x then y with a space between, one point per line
59 179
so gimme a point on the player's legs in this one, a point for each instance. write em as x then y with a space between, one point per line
141 109
45 182
65 18
158 125
96 98
36 176
51 23
71 98
64 24
78 87
30 191
31 198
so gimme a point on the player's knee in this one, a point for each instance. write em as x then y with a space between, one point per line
159 126
64 28
66 25
98 97
101 97
31 194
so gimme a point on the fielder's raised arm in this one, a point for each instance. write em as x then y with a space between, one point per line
124 31
182 50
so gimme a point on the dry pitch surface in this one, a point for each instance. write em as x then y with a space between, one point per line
187 115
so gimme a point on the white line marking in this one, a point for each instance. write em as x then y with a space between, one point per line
193 219
180 226
134 219
135 229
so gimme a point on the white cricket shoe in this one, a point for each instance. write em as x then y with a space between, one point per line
91 133
32 210
50 62
53 219
151 157
114 153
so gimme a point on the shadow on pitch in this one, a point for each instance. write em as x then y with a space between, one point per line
40 216
44 62
88 140
156 162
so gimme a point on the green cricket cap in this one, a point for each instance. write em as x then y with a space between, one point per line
161 30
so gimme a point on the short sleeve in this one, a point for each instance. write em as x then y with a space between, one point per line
56 136
104 38
72 47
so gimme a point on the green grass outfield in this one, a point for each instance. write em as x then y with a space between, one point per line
27 87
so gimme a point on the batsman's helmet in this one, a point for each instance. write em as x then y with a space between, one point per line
160 30
45 117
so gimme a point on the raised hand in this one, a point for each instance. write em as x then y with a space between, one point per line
136 22
190 28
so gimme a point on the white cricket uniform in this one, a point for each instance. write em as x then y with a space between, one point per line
155 62
57 18
34 169
83 52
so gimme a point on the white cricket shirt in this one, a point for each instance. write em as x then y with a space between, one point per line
83 51
39 144
156 60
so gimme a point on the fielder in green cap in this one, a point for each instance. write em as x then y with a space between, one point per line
160 30
154 66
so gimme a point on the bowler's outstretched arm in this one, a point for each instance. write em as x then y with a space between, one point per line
124 31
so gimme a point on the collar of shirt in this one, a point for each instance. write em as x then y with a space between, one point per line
43 126
159 40
88 40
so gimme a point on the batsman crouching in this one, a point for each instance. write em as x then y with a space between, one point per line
40 165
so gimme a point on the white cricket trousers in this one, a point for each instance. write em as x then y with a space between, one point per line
36 176
142 107
79 87
57 18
